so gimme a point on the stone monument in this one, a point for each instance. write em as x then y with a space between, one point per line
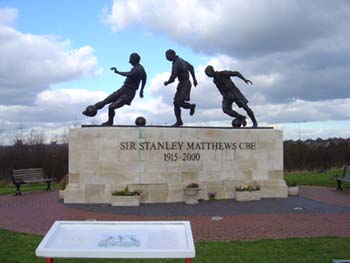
161 161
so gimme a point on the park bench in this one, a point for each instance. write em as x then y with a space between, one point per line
32 175
345 177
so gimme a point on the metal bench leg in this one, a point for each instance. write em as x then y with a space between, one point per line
339 188
18 190
48 186
188 260
49 260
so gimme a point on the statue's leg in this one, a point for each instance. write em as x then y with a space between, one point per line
178 101
99 105
183 95
177 111
120 102
190 106
251 115
227 108
186 105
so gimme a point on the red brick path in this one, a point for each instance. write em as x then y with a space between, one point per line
35 212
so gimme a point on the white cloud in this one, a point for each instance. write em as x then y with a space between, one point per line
65 97
232 27
31 63
8 15
290 49
305 111
62 105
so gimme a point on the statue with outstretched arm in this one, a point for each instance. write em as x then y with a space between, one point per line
126 93
181 70
230 93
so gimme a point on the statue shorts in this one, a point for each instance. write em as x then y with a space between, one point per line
124 94
227 102
183 92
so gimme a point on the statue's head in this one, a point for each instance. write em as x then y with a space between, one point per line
209 71
170 54
134 59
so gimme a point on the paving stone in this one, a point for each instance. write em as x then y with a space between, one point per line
325 212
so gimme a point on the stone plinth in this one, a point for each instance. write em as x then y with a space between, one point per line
161 161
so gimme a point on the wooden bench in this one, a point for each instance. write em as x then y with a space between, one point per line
345 177
32 175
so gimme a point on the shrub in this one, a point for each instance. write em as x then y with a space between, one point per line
192 185
212 195
249 188
126 192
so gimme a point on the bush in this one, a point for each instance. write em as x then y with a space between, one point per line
249 188
192 185
126 192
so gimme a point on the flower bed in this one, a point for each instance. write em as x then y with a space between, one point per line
249 193
125 198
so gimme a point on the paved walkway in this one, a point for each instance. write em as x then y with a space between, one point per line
317 211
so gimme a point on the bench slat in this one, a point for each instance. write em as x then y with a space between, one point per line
30 178
37 181
28 171
28 175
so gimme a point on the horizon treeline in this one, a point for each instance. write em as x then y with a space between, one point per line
319 154
309 155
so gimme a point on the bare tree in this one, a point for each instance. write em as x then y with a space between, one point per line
35 137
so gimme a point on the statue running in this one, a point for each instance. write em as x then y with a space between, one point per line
181 69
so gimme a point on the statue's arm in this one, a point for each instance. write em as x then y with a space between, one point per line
143 83
239 75
174 73
125 74
191 70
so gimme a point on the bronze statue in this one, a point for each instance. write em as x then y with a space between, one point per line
231 93
181 70
125 94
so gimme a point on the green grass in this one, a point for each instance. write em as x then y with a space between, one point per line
11 188
20 248
313 178
301 178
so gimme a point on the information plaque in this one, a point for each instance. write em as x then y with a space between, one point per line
118 239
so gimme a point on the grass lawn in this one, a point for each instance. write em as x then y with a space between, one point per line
301 178
8 189
313 178
20 248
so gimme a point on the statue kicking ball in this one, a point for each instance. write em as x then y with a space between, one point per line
231 94
125 94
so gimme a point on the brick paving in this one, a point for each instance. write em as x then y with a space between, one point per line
320 212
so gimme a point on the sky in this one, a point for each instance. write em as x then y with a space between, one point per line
55 59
